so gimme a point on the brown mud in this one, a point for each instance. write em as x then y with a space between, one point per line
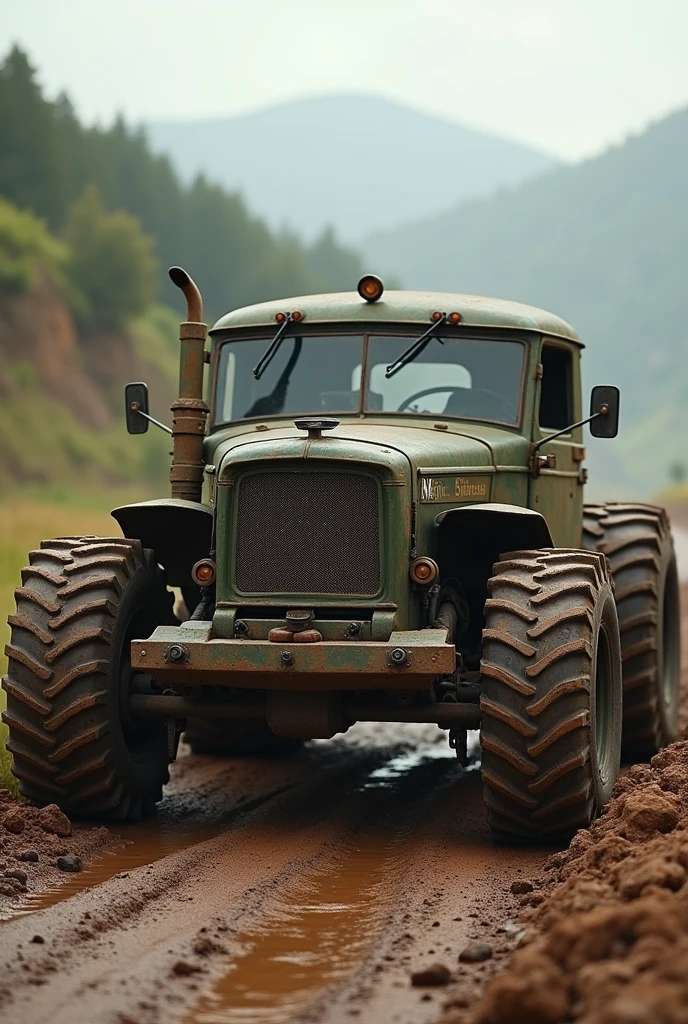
316 903
42 850
358 881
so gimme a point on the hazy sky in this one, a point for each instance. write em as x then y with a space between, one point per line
568 76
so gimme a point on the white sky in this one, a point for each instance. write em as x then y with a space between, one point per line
567 76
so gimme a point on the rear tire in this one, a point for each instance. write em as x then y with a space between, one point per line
551 694
637 541
235 739
81 602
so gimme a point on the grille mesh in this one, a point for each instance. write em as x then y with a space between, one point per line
308 533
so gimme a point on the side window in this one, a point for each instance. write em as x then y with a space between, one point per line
556 391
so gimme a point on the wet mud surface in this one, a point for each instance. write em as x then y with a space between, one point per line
314 897
357 881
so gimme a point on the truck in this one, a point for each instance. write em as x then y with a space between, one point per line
376 515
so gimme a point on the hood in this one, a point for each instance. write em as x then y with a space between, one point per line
401 447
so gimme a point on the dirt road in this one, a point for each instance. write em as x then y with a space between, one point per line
262 893
306 889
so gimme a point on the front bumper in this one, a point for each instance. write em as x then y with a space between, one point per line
186 654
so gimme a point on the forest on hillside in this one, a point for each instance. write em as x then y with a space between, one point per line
90 220
49 161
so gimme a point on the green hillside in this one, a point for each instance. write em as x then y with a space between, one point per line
90 220
605 245
48 160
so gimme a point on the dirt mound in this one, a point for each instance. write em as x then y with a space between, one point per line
40 848
607 932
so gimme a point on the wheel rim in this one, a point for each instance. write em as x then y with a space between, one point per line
604 681
671 627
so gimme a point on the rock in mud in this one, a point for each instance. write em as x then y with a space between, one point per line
17 873
182 968
13 821
70 862
647 811
520 887
29 856
475 953
435 975
52 819
11 886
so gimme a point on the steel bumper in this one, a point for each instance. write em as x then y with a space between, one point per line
187 653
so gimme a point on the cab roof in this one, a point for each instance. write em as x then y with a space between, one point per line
402 307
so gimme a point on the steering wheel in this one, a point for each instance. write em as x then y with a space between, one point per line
506 407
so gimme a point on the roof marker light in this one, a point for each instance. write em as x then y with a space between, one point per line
454 318
370 288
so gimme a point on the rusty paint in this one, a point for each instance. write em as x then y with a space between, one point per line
341 662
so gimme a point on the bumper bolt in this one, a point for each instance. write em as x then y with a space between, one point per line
398 656
286 657
176 652
241 627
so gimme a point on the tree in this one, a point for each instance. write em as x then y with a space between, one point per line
30 173
112 263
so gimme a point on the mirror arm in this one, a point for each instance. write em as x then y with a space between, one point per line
136 408
604 411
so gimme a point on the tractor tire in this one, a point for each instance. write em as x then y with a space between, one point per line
236 739
551 694
637 541
82 600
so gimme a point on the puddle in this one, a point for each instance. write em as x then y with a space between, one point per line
147 842
322 927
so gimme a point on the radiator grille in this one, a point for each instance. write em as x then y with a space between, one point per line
308 533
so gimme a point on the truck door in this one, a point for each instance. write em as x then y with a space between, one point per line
557 490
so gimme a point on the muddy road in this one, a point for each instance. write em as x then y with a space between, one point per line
308 889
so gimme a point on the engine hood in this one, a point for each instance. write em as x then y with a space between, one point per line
403 448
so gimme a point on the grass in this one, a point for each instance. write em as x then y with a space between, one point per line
26 518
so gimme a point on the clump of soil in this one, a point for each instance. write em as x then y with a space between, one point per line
606 937
40 848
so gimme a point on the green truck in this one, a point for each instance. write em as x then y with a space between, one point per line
376 515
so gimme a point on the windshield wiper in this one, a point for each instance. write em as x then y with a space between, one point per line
416 347
273 348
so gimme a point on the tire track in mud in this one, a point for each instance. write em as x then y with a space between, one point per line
157 904
312 905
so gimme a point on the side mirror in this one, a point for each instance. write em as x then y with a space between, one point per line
136 404
604 411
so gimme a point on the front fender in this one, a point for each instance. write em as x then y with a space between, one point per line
179 531
498 527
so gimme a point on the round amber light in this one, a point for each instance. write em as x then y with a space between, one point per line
454 318
203 572
370 288
297 315
280 318
424 570
436 316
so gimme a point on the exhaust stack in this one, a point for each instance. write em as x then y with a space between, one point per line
189 412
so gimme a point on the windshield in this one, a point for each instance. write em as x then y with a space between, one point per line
463 377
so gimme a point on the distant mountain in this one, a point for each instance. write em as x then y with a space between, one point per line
603 244
356 163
